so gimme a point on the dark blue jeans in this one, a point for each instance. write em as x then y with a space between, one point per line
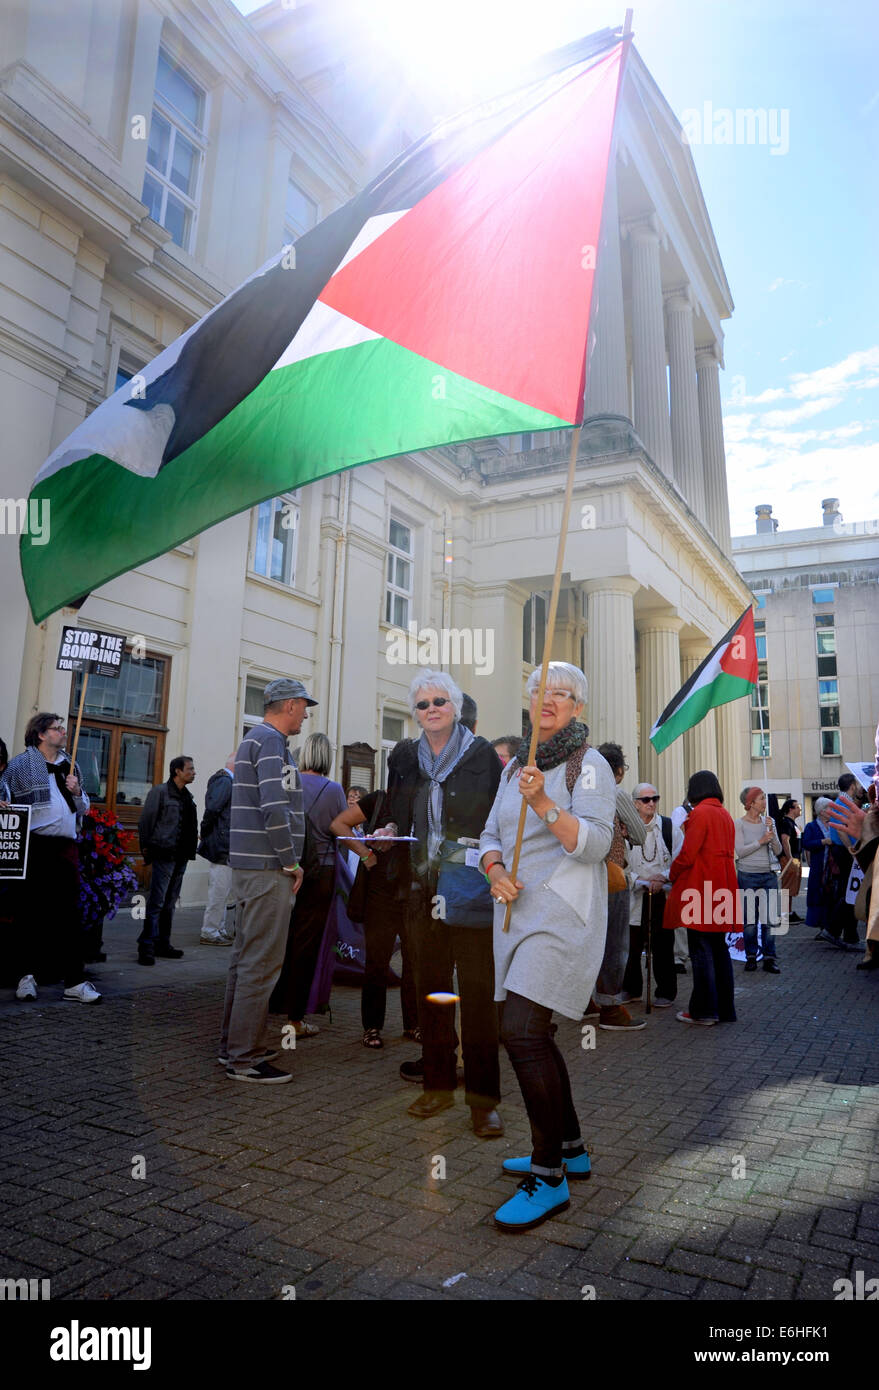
713 993
527 1033
760 899
165 884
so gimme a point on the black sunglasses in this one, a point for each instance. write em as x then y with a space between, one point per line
645 799
438 700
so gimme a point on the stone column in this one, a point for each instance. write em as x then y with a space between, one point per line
607 386
700 743
648 344
660 680
685 437
610 665
713 455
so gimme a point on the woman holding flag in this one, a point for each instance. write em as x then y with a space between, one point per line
550 958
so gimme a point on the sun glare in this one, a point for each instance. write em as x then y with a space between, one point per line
464 49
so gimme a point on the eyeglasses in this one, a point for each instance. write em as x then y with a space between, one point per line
647 799
556 695
58 728
438 700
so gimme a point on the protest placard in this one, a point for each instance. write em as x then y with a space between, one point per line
15 822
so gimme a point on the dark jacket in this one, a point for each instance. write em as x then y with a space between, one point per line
168 825
214 833
468 795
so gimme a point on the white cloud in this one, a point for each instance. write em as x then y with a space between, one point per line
838 376
794 481
782 284
777 419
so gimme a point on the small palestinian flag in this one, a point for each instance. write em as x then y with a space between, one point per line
450 300
727 673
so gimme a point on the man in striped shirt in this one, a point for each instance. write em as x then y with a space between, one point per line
267 834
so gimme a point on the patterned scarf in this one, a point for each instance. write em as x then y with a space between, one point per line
555 750
27 779
437 768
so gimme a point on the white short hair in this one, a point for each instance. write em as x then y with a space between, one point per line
436 680
561 673
641 788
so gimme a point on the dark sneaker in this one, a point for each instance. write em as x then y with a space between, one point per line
413 1071
616 1018
261 1072
168 952
145 958
750 964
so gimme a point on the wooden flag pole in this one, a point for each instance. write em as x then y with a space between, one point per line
547 648
85 683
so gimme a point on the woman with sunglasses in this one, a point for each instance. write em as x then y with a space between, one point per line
440 789
550 957
648 867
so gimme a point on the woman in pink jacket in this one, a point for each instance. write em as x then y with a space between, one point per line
705 899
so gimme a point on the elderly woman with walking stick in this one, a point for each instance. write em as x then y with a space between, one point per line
549 959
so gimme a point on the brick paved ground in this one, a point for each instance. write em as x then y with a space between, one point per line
326 1184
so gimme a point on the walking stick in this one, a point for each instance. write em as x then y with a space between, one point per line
547 648
647 906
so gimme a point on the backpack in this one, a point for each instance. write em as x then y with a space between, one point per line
310 861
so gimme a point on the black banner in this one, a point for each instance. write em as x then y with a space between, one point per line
84 649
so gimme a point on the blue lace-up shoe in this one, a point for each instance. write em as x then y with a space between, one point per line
577 1169
535 1201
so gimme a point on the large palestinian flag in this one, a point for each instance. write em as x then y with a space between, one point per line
727 673
449 300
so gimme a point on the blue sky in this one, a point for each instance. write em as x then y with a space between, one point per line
797 229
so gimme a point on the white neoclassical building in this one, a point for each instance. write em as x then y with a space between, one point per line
116 233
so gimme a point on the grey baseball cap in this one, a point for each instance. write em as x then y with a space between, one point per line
285 688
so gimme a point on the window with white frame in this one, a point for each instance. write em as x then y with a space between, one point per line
521 443
301 212
534 628
275 535
399 585
760 729
393 729
175 150
254 708
828 685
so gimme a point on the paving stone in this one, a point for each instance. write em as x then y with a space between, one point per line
326 1184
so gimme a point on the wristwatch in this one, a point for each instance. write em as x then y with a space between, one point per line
552 815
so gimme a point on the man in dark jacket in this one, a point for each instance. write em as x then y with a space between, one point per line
168 829
214 847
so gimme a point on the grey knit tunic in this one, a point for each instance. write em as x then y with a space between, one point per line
553 950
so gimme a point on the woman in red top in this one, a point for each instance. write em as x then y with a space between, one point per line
704 898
